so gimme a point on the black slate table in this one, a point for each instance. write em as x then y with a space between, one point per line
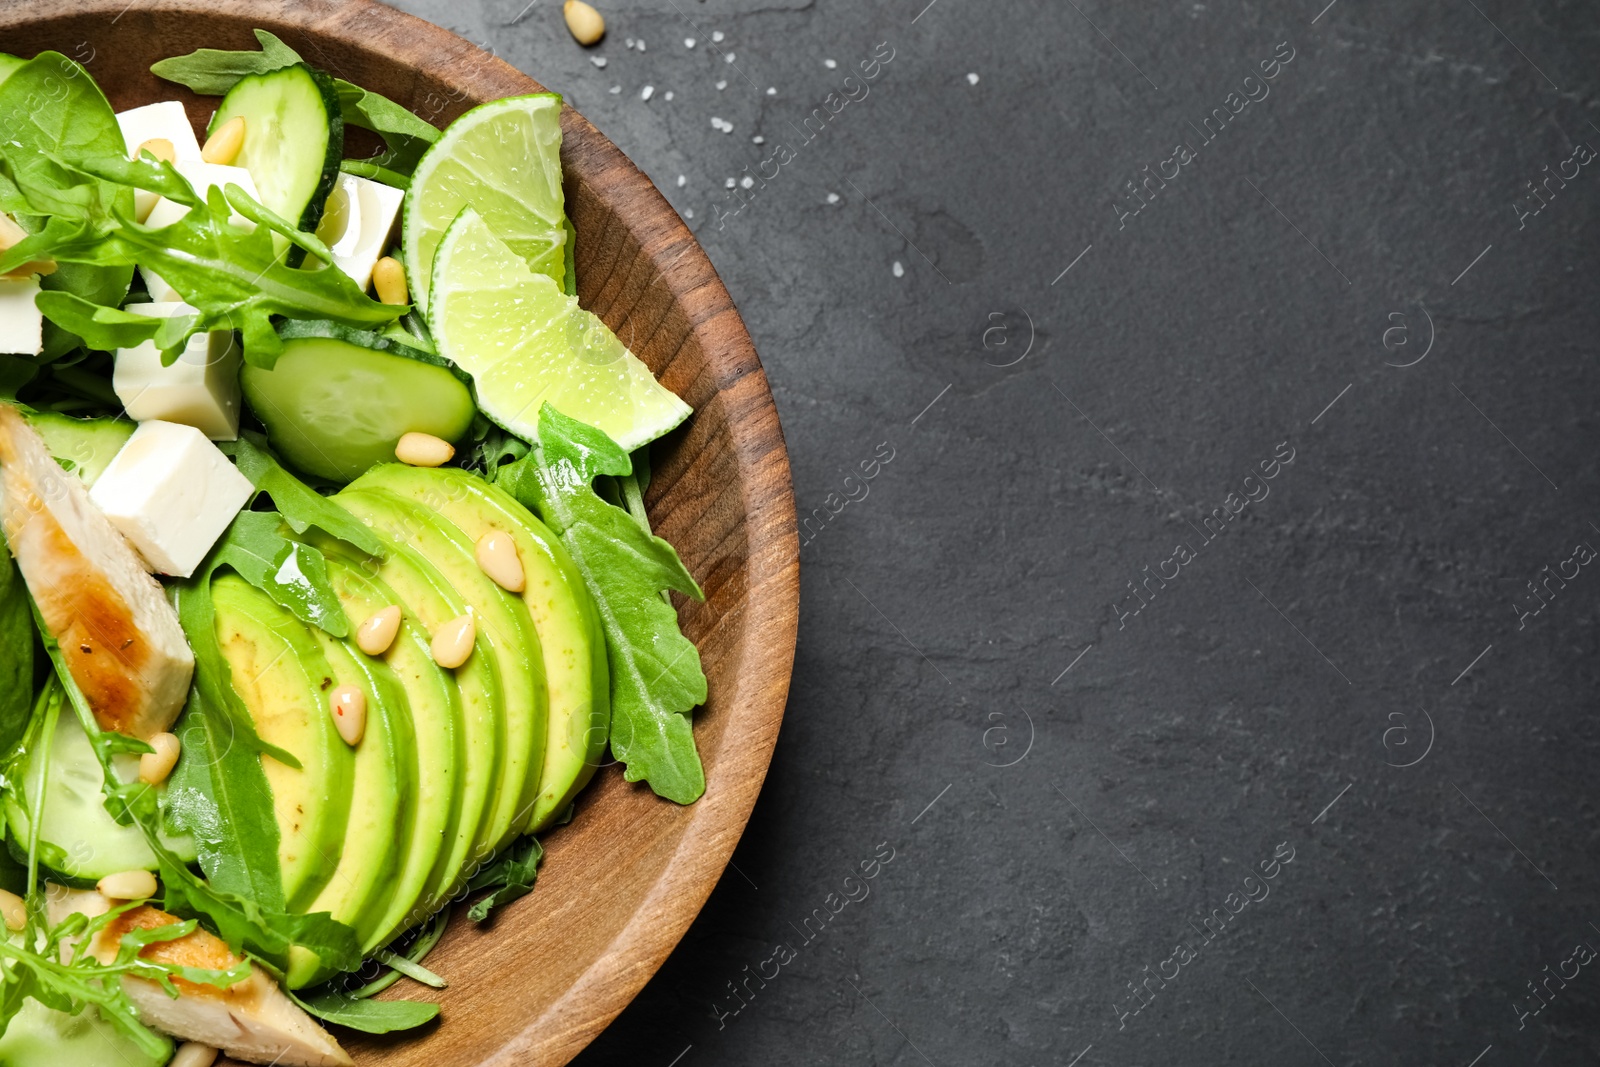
1192 414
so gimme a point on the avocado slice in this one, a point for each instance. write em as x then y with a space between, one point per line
503 620
438 744
428 597
382 804
576 671
283 679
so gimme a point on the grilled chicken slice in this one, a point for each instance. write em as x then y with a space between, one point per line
252 1020
119 635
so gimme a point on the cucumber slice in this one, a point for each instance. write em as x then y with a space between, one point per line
43 1037
293 138
334 407
77 835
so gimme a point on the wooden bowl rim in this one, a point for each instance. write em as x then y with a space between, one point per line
770 609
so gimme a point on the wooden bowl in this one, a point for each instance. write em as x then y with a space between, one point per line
621 883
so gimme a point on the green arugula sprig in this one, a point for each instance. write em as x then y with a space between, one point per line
60 973
656 680
231 275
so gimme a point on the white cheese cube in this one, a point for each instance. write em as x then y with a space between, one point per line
172 493
203 176
201 389
21 324
166 120
356 224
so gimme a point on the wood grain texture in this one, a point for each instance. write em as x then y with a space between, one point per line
623 881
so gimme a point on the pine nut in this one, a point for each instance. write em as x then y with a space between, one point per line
193 1054
497 557
128 885
452 644
13 909
376 634
159 147
349 706
389 279
584 21
223 145
155 766
423 450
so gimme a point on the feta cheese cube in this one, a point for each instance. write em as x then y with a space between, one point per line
203 176
21 324
201 389
356 224
172 493
166 120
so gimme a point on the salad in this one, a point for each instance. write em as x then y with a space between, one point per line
329 578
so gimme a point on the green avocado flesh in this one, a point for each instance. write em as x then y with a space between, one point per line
382 801
437 728
504 624
283 679
563 613
333 408
429 599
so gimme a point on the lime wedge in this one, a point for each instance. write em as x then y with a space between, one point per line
503 160
526 342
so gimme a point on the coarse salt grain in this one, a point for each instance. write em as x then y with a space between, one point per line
682 181
830 64
717 36
599 61
747 182
833 198
758 139
728 58
688 42
647 92
899 269
972 79
721 85
668 94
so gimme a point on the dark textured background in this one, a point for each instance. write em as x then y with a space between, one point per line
1296 660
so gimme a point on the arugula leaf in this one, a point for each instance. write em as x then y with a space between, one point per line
656 680
219 794
234 279
302 507
213 71
16 653
511 875
290 572
49 106
54 967
101 327
404 135
369 1016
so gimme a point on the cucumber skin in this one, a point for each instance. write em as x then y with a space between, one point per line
335 154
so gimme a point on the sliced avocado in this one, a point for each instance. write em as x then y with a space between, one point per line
576 671
503 621
438 741
382 803
83 446
283 679
429 598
